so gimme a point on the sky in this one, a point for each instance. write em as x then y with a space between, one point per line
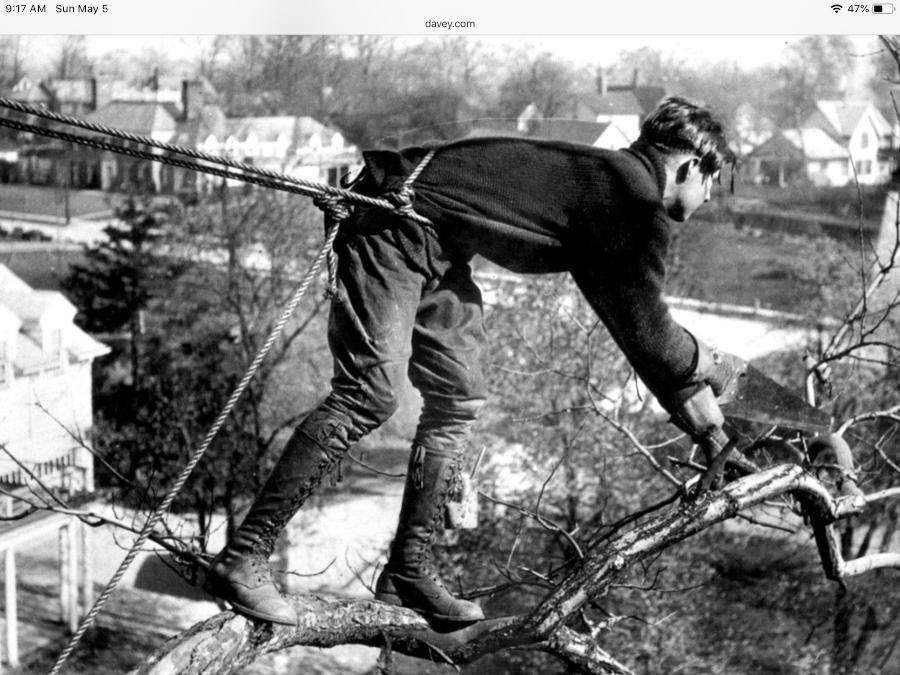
594 50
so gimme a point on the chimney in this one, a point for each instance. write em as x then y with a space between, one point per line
636 78
602 84
191 99
94 104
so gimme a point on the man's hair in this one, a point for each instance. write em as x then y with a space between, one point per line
679 125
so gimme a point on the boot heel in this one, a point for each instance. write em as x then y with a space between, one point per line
386 592
389 599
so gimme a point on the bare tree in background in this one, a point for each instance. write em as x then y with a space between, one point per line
563 376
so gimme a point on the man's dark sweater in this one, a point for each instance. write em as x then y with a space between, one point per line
540 206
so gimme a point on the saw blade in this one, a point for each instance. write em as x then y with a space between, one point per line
757 398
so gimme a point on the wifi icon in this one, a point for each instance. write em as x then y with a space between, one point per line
836 8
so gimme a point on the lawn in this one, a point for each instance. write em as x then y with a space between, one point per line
716 262
50 201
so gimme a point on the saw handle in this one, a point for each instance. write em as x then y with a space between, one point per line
700 416
717 447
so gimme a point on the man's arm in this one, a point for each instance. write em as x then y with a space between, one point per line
624 282
621 271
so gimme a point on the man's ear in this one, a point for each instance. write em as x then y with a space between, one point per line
686 168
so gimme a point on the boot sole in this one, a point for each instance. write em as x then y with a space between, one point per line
396 601
247 611
253 614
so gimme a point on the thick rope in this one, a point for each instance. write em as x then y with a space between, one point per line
227 168
157 515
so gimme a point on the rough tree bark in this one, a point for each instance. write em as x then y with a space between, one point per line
227 642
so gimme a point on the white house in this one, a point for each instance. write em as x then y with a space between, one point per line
45 404
863 131
624 106
45 386
841 142
298 145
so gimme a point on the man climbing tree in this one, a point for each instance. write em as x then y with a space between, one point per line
406 303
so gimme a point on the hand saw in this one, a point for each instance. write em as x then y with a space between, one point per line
754 397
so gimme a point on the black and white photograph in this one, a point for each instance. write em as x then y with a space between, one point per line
398 354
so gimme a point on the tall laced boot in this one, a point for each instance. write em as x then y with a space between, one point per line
410 578
240 574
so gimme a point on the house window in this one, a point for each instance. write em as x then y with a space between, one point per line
865 167
864 140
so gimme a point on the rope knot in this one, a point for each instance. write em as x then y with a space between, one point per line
402 199
336 211
334 206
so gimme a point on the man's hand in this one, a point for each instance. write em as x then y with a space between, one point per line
700 417
720 370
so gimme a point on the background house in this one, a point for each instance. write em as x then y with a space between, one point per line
45 403
39 160
625 106
839 143
145 118
45 385
532 124
298 145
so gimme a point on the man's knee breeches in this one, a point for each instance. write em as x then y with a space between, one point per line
446 424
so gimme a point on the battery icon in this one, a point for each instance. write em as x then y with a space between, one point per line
884 8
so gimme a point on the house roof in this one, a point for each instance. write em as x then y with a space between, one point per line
816 144
268 129
812 143
621 100
9 322
210 120
27 90
10 283
571 131
29 306
618 103
139 117
649 96
845 116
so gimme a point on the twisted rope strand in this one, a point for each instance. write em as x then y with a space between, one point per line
247 173
162 145
157 515
146 154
